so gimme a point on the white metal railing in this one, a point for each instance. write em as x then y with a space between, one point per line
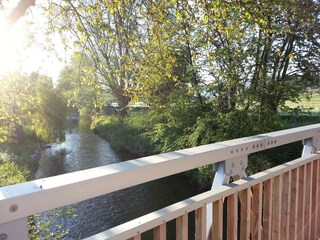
254 192
17 202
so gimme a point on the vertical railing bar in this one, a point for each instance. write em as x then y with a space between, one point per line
232 217
285 206
245 213
138 237
256 211
314 199
289 206
318 202
293 221
301 201
267 209
217 215
182 227
160 232
308 188
276 216
201 225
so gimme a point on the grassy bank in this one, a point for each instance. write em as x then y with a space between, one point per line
18 158
134 136
131 136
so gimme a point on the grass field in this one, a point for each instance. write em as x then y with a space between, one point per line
312 104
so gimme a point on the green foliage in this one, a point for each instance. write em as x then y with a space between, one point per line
6 128
103 32
179 132
270 158
24 151
78 84
202 177
31 102
10 172
130 136
208 70
48 121
227 55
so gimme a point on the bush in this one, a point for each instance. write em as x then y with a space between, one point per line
131 136
10 172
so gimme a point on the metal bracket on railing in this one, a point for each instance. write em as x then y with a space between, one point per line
316 142
311 145
234 167
224 170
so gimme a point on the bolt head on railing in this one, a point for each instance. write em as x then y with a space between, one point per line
13 208
3 236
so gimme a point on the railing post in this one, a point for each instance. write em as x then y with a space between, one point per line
220 178
14 230
225 170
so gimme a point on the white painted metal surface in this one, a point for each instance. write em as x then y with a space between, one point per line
220 178
236 166
223 171
14 230
307 147
22 200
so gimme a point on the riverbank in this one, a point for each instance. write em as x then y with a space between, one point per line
25 153
133 137
130 137
19 159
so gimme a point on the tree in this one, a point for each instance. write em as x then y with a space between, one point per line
79 86
220 59
19 11
103 31
240 59
31 102
285 61
49 114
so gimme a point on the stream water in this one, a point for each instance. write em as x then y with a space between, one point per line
83 149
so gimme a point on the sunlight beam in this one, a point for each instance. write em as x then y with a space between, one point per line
8 54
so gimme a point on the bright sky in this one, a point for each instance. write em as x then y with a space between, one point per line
14 55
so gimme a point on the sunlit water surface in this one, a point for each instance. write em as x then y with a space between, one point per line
83 149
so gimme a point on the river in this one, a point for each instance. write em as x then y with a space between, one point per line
83 149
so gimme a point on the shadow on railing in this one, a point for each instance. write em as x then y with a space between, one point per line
279 203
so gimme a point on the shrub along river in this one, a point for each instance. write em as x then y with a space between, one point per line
83 149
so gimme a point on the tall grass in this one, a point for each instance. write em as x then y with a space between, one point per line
131 136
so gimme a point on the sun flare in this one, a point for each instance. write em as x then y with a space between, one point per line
8 53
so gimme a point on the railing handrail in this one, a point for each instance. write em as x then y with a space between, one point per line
58 191
166 214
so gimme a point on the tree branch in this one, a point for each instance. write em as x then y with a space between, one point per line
19 11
